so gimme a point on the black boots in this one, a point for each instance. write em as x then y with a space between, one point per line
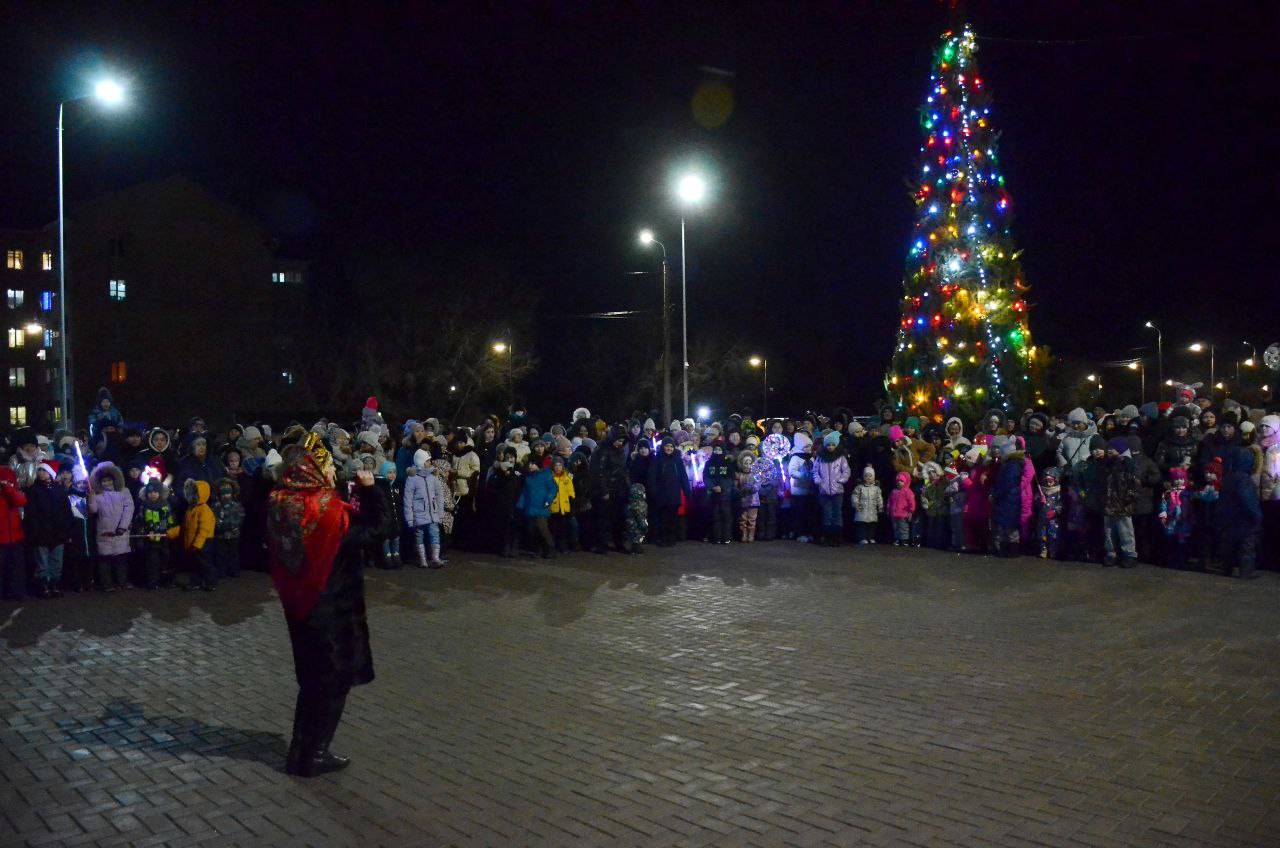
315 719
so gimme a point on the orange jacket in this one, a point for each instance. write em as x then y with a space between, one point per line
197 524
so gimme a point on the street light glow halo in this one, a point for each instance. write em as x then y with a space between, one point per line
34 327
109 92
1196 347
499 347
691 188
646 236
755 361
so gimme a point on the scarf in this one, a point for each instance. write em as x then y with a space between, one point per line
306 522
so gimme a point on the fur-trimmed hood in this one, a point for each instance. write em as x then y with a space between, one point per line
102 469
196 492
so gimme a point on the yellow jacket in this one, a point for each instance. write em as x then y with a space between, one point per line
560 505
197 524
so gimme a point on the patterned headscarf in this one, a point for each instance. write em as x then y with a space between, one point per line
306 522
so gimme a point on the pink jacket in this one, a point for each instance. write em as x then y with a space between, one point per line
977 503
902 503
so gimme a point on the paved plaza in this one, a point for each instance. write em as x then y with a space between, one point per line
772 695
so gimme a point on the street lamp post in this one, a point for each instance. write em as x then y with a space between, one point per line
1159 359
1197 348
646 237
763 364
1141 367
112 94
691 189
510 350
1253 356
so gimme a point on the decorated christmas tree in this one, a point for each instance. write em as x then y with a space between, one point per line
964 345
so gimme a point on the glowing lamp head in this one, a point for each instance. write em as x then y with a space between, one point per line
1249 362
704 413
1133 366
109 92
1092 378
1195 348
646 236
691 189
755 362
1217 386
499 347
1149 325
34 327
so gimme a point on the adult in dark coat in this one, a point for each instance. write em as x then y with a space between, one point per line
609 483
1042 445
668 486
317 544
198 464
1239 514
1146 529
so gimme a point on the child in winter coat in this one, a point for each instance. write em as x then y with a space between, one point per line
770 483
228 514
506 481
535 503
977 502
800 473
1048 516
423 508
112 506
1239 514
901 508
956 493
386 481
562 504
868 506
1007 499
933 502
1175 518
830 474
1121 488
78 553
197 529
719 478
748 497
13 565
154 521
636 522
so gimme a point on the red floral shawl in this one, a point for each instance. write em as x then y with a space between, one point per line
306 522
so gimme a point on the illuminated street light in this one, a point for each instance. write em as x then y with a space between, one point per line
1159 356
704 412
499 347
111 93
34 327
691 190
1197 347
762 363
647 238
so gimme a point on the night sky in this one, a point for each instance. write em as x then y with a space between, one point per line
1141 160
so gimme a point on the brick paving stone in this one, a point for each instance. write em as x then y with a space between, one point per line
772 695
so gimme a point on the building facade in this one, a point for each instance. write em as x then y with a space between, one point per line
29 356
176 303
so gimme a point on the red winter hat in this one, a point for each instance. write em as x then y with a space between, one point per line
371 403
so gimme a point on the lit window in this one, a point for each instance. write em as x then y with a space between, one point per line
46 260
17 378
55 413
15 297
286 277
46 301
119 372
17 337
116 290
49 336
286 377
18 415
13 259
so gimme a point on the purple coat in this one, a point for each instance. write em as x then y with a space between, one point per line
829 476
113 509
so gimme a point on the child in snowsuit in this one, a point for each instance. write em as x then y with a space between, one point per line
901 508
748 497
1007 500
155 522
228 515
1048 516
197 529
977 503
800 474
868 506
636 521
1175 518
113 508
386 481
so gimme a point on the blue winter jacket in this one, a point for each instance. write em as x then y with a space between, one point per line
423 502
538 493
1238 506
1006 494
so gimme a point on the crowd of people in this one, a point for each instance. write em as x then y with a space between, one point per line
1187 484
